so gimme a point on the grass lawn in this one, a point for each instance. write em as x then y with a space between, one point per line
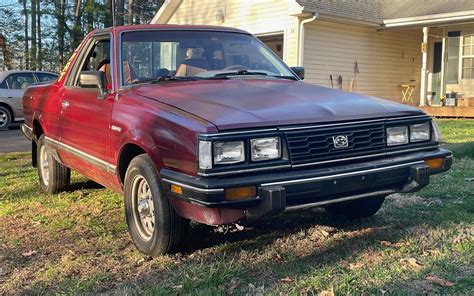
77 242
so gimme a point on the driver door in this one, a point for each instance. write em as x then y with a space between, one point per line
85 116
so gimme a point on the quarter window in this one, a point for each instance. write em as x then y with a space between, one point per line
468 57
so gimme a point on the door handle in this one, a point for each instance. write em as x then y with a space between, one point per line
65 104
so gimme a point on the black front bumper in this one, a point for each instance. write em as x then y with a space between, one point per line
293 189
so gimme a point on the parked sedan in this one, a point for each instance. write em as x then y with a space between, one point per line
12 86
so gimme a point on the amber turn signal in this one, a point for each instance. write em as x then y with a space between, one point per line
240 193
176 189
435 163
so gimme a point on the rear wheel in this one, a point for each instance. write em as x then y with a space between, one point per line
154 225
5 118
356 209
53 176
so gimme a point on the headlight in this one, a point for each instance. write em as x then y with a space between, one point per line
420 132
397 135
436 133
265 148
229 152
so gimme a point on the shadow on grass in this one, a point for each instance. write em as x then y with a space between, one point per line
82 185
461 150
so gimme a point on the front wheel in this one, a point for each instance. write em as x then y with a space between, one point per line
356 209
154 225
53 176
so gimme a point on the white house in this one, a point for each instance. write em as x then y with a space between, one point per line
414 51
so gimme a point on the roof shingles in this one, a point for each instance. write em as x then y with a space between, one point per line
379 10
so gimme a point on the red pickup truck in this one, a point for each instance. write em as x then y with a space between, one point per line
207 124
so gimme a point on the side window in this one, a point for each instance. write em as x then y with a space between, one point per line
19 80
43 77
4 84
98 59
148 60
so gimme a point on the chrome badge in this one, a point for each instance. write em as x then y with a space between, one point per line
340 141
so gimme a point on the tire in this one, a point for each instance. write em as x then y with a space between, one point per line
5 118
357 209
53 176
154 226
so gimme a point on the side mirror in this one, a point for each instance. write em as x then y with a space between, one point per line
94 79
299 71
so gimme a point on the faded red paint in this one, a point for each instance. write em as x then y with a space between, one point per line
166 119
209 216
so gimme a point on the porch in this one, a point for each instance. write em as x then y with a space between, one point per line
454 112
446 83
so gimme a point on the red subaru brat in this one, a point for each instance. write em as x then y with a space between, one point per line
207 124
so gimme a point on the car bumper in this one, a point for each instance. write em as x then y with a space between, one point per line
27 132
203 198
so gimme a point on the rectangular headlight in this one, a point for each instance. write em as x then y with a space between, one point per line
205 155
265 148
229 152
397 135
420 132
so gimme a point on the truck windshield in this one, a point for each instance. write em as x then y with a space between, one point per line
155 55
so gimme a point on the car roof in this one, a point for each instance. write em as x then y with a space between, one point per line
4 74
119 29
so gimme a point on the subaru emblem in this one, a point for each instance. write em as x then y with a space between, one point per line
340 141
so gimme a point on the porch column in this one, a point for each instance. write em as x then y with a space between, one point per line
424 71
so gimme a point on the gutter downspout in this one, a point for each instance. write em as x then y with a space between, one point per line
301 38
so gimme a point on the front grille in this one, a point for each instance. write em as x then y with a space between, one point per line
317 144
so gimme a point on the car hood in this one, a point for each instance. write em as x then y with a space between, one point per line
245 103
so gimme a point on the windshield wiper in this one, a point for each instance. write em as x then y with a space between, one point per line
175 78
239 73
164 78
284 77
250 73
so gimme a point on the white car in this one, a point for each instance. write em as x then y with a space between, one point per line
12 86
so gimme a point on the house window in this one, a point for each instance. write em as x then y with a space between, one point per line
452 48
468 57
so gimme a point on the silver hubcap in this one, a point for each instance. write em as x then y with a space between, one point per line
143 208
3 118
44 165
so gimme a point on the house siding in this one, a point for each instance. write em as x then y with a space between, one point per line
386 59
258 17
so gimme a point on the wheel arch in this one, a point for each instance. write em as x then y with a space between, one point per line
127 153
37 132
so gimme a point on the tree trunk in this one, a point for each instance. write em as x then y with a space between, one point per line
131 11
40 46
90 8
6 53
108 13
59 12
27 50
34 49
120 15
76 28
